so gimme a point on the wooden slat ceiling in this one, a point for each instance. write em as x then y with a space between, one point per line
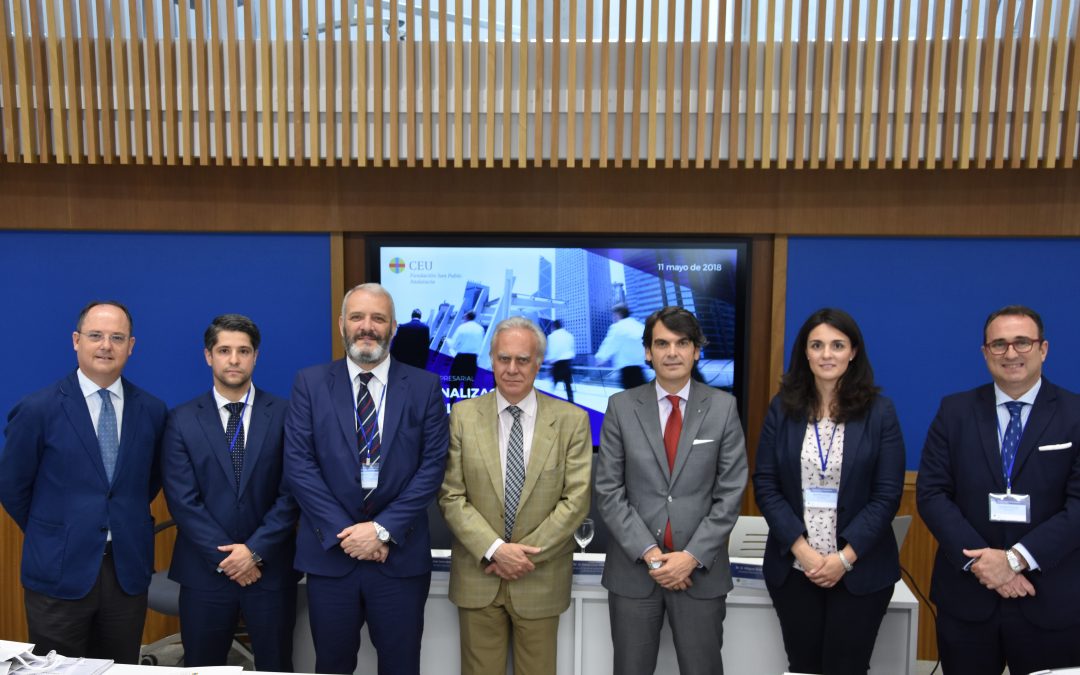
884 83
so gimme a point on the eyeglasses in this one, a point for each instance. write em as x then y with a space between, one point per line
94 336
1020 345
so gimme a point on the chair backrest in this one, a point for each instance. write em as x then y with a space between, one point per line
748 537
900 526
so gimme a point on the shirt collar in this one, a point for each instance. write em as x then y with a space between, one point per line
683 393
381 371
527 404
89 387
221 401
1001 398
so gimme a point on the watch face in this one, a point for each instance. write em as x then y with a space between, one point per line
655 564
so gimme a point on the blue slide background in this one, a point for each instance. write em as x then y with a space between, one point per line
921 304
174 284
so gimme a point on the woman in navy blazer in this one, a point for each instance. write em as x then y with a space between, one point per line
829 474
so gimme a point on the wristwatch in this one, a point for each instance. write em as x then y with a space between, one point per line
1014 561
654 564
381 532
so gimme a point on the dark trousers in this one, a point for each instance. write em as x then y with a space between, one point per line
561 372
828 630
105 624
697 627
1007 638
208 621
392 607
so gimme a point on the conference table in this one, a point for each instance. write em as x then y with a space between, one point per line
752 642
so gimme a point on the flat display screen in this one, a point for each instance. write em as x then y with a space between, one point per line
590 297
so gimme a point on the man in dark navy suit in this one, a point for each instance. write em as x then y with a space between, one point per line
78 471
412 342
365 450
236 525
999 487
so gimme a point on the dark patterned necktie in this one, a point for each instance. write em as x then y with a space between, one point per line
368 440
515 470
234 436
1011 440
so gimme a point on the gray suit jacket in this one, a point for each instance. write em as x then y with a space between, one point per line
636 493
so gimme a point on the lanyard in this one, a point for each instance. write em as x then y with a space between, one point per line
1007 470
360 424
823 457
240 426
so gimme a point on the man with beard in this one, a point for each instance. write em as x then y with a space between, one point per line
365 449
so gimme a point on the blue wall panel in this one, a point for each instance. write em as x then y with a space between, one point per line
921 304
174 284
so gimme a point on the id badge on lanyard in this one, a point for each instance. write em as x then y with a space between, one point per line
1009 507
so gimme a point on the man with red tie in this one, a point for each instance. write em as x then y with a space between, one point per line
669 480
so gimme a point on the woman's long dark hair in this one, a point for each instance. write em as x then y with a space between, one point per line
855 392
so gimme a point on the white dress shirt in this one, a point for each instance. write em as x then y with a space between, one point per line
245 418
93 400
376 387
1000 399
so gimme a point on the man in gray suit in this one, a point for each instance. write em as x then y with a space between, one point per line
669 481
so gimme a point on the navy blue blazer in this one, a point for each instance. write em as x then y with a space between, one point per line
210 511
871 483
961 465
322 465
53 483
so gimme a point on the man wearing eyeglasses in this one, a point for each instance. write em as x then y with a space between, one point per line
999 487
78 470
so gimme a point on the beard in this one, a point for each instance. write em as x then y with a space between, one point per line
367 356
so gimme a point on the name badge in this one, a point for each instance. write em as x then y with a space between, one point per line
369 476
820 497
1010 508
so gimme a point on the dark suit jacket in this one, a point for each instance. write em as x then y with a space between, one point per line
52 482
961 465
204 500
637 494
322 466
871 482
411 344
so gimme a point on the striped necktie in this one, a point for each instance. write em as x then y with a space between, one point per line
515 470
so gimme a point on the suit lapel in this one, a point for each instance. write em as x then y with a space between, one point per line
648 414
74 404
341 397
1041 414
133 417
487 437
543 441
210 421
697 408
394 402
854 442
261 413
987 421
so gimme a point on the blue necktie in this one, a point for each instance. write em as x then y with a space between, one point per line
1011 440
369 441
515 470
108 438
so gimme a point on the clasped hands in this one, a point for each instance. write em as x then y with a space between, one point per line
991 568
511 561
674 571
822 570
361 542
239 565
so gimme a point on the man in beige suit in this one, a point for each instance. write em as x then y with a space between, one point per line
516 488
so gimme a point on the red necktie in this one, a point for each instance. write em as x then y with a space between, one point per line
672 431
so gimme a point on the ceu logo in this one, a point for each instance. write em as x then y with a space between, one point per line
397 265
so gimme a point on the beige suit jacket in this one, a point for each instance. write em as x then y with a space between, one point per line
554 501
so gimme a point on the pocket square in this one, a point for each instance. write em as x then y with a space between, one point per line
699 441
1058 446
